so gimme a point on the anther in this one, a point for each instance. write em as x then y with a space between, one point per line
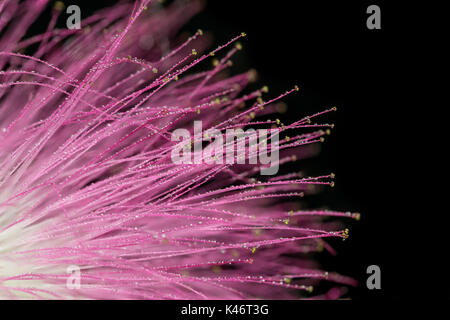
59 6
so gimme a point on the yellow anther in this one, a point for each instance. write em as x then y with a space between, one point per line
288 139
145 8
176 78
200 32
252 75
212 54
320 247
287 280
238 46
281 107
334 108
253 250
265 89
257 232
194 52
286 221
59 5
344 234
259 100
252 115
198 111
296 88
215 62
291 213
310 289
332 184
278 121
184 273
155 70
322 139
357 216
332 175
328 131
243 34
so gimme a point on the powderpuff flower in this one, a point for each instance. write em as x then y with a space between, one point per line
92 205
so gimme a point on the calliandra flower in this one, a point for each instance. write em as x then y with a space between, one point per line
86 177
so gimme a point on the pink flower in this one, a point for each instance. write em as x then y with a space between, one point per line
91 203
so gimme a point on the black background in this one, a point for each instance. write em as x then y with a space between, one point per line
326 49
